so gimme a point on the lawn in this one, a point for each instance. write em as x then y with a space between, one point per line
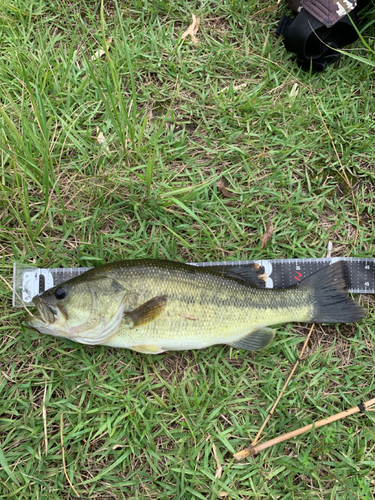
115 132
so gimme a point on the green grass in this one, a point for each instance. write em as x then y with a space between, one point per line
177 117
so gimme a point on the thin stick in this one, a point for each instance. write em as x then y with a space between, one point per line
44 415
253 451
63 454
280 395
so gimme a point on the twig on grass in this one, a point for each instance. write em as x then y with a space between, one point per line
63 455
44 415
219 468
362 407
192 29
248 451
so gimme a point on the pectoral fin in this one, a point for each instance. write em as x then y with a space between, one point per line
147 312
255 341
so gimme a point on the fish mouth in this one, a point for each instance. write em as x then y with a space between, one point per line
48 313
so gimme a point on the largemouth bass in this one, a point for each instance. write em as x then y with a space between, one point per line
153 306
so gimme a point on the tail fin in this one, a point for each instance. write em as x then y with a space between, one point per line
331 301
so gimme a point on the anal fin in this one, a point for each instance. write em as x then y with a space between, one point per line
147 349
255 341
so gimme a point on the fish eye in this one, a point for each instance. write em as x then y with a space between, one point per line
60 293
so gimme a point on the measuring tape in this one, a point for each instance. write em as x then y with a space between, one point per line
281 273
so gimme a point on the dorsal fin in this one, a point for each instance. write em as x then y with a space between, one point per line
253 274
